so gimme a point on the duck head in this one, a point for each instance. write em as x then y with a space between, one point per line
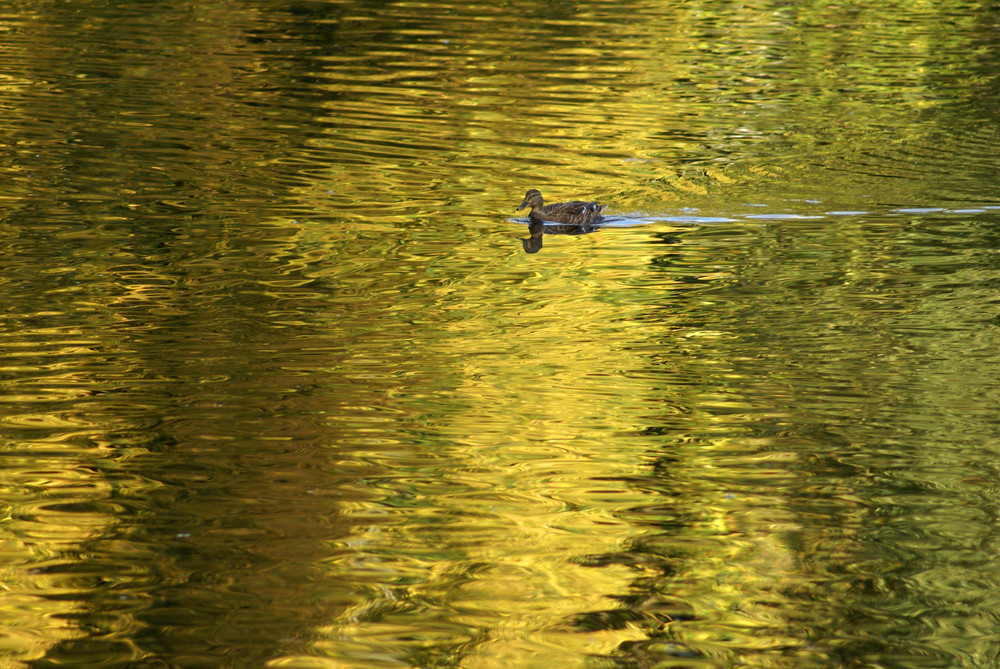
533 198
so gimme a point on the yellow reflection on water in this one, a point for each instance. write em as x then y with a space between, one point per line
56 512
522 482
473 436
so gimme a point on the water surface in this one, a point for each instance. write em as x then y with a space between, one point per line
282 388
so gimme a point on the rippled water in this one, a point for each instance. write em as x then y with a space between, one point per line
283 389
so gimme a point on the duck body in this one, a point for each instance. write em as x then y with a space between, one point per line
575 213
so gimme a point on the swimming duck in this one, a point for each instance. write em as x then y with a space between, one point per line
576 212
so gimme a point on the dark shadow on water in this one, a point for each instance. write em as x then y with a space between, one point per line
536 229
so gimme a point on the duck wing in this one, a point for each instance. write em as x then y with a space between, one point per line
576 211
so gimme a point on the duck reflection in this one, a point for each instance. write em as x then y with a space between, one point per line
537 228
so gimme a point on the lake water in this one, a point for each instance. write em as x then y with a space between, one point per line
282 388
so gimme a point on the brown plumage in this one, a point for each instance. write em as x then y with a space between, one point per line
576 212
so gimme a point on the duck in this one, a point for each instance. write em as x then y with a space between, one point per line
575 212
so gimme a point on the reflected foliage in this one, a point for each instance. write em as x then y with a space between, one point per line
280 388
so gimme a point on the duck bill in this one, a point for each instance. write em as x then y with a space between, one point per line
523 205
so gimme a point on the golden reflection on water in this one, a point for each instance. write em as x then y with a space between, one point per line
536 423
283 387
